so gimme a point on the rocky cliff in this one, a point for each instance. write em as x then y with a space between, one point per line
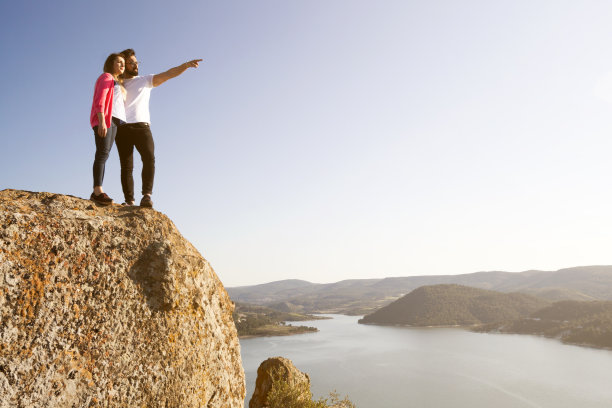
109 306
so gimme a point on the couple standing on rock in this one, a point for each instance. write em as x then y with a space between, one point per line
120 112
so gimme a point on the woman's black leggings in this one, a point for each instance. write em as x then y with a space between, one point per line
103 148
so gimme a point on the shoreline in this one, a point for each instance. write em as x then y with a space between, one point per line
275 332
444 326
557 338
495 331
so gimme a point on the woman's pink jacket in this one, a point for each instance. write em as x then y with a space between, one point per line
103 99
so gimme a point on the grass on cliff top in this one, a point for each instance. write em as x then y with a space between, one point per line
284 395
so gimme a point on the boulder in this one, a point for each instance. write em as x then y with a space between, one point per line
109 306
284 368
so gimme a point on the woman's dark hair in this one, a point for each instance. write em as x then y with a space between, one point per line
108 64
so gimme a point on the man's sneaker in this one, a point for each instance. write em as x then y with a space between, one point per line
146 201
101 199
128 204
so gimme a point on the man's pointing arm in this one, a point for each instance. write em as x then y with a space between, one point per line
174 72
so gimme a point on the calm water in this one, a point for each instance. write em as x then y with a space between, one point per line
396 367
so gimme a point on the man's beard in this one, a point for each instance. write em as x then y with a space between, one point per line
132 72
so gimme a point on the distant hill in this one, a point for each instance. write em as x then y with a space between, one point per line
362 296
271 292
447 305
556 294
584 323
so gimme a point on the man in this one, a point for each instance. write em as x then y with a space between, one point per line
136 132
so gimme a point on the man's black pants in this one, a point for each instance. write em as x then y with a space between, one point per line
137 135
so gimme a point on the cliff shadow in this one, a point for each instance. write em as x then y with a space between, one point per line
152 272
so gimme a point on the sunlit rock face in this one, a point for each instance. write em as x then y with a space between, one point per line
109 306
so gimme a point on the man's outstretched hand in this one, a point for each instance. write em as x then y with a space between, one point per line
193 63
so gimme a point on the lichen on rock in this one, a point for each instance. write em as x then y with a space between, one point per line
109 306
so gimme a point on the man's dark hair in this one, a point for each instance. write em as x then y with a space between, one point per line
108 64
127 53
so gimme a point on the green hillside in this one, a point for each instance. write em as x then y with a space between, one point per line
446 305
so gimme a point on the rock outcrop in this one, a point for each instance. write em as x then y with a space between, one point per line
109 306
287 372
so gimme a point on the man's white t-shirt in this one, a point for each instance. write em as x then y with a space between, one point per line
137 100
118 103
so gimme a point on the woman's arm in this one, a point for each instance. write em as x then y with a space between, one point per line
101 125
104 85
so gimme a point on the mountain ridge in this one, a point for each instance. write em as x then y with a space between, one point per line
361 296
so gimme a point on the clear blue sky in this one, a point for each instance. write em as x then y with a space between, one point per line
326 140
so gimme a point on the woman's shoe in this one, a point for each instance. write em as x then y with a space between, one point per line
102 199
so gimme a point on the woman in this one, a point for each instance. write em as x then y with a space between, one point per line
107 113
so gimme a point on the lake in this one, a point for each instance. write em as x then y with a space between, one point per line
404 367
